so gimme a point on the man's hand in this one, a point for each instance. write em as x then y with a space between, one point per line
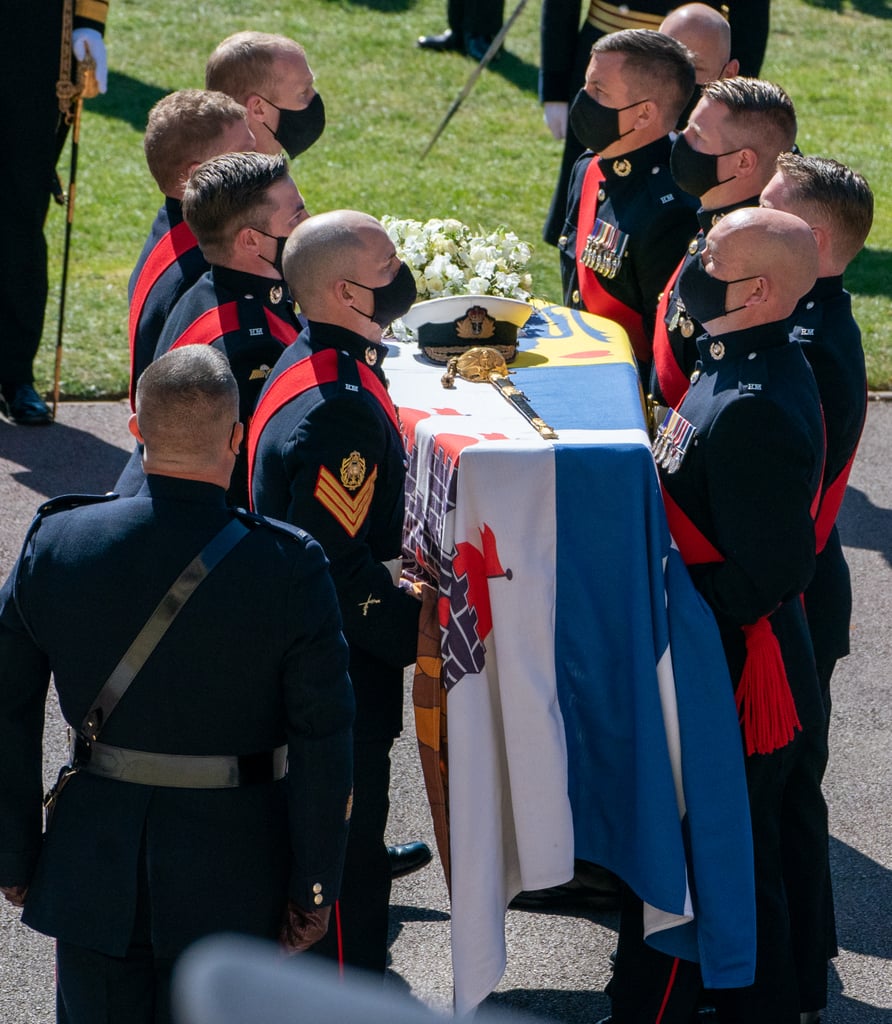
556 119
88 41
303 928
15 894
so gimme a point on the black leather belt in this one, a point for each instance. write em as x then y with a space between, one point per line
182 771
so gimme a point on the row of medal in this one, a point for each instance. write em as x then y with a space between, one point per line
604 248
673 439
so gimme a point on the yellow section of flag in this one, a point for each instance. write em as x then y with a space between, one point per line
561 337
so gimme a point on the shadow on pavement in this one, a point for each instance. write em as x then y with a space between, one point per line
865 525
862 895
60 459
553 1004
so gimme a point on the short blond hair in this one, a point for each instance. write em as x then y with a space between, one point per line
244 63
184 129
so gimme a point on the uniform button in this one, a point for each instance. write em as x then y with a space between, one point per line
602 195
575 296
655 170
809 305
317 899
752 355
562 240
317 887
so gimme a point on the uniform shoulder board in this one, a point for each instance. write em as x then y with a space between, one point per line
64 502
254 520
754 377
663 190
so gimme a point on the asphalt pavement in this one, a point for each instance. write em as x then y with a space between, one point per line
557 963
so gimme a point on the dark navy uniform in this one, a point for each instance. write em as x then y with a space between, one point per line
251 320
565 51
255 659
31 61
831 340
748 483
639 198
169 264
675 332
824 326
326 454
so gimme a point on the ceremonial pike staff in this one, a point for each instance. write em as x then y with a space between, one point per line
475 74
71 104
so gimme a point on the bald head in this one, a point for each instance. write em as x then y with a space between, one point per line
706 34
333 261
771 256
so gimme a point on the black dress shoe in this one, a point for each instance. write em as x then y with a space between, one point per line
407 858
476 47
591 888
447 40
25 407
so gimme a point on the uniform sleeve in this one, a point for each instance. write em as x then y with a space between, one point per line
347 490
24 679
91 14
761 470
664 246
558 33
320 709
567 241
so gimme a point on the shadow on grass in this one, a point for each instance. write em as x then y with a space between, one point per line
872 8
870 273
384 6
128 99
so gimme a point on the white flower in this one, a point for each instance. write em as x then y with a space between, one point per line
447 258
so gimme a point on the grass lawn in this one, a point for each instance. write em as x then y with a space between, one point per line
495 164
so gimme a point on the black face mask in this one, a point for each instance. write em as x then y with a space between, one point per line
276 261
695 173
705 297
299 129
391 300
595 125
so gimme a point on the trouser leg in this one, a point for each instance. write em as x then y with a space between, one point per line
363 907
649 987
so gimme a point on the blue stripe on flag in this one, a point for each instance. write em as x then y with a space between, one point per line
591 397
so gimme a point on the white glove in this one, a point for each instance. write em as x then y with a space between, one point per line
88 40
556 119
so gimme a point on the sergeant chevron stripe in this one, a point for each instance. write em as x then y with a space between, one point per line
350 510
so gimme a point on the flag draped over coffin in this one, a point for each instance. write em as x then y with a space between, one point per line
589 706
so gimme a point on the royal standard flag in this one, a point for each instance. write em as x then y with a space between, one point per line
590 712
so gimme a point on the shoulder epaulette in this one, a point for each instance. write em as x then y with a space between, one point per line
62 503
663 189
254 519
68 501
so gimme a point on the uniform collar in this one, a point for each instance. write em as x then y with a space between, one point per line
268 290
637 164
175 488
824 288
174 210
369 353
722 348
709 218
